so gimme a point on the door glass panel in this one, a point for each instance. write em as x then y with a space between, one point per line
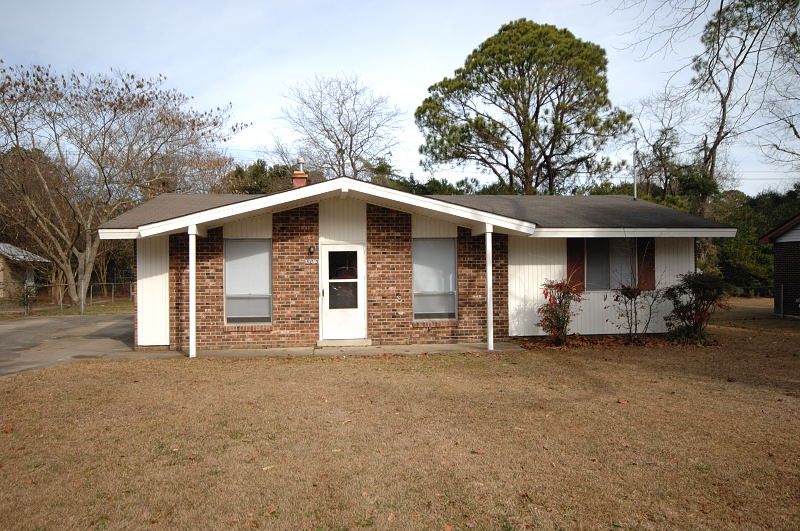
343 294
342 264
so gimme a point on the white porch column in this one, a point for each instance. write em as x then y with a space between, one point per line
489 291
192 291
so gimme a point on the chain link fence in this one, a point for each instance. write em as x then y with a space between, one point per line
27 297
752 291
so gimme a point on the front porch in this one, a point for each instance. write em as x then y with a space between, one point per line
416 349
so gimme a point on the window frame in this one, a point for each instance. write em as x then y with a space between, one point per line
268 320
634 259
444 317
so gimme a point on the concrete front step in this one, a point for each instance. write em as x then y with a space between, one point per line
344 342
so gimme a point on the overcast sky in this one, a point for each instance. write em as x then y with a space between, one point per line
249 53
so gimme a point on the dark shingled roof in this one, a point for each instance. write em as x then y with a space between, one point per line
594 211
169 206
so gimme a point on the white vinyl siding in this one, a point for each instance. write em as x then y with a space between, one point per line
427 227
674 257
259 226
792 235
532 261
342 221
248 289
152 291
434 278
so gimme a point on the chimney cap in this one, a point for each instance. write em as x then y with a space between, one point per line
300 163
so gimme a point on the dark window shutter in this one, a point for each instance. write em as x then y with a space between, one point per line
576 264
646 263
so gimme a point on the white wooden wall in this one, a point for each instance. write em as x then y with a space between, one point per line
152 290
674 256
532 261
342 221
425 227
792 235
259 226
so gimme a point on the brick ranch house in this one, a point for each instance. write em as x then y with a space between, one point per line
785 239
349 262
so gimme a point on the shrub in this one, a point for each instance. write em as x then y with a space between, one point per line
634 309
693 300
557 311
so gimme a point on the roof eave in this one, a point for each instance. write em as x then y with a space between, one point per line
780 230
341 187
655 232
118 234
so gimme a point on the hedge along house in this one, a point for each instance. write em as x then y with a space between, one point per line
785 239
349 262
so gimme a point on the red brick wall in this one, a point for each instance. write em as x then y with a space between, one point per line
787 274
390 319
295 287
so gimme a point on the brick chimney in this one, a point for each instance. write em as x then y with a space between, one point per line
299 177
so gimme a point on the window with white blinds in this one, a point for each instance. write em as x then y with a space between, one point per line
610 263
434 278
248 281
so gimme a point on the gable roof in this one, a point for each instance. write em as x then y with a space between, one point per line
12 252
780 230
578 211
170 206
538 216
208 211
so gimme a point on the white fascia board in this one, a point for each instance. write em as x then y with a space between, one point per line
118 234
632 233
437 206
340 185
236 209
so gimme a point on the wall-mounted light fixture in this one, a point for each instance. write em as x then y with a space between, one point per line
311 249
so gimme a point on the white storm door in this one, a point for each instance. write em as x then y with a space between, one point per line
343 306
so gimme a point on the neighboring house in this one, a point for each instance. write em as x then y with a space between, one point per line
786 277
16 268
349 262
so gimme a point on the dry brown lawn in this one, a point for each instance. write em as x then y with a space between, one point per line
595 438
12 310
756 313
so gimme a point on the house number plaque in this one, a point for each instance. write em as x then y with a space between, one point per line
312 260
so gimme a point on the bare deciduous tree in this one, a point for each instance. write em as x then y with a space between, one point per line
343 126
78 149
781 142
741 75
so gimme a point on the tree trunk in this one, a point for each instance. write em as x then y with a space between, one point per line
101 268
86 260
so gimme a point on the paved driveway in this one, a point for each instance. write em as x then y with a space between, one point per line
41 341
